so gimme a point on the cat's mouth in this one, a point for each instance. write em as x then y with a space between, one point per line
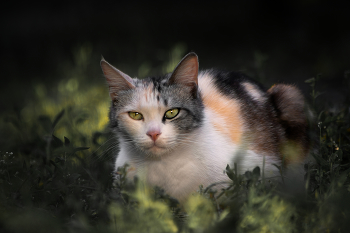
155 149
154 146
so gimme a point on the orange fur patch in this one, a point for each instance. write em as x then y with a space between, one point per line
227 111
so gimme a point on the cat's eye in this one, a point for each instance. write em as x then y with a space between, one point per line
136 115
171 113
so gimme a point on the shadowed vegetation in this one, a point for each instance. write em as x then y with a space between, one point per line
57 157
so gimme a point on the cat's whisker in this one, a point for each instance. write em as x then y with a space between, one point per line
112 140
106 151
108 140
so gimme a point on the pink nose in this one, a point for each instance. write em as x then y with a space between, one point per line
154 134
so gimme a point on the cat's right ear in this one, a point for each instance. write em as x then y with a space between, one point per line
186 73
117 80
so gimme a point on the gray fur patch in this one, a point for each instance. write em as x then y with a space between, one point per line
172 96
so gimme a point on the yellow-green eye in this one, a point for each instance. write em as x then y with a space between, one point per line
136 115
172 113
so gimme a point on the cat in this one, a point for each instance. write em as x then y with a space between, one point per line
180 130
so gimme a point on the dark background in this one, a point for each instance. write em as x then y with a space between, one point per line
273 41
54 101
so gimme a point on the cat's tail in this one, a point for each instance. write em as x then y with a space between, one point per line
290 108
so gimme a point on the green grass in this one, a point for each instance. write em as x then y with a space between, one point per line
56 165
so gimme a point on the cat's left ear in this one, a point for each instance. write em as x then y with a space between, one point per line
186 73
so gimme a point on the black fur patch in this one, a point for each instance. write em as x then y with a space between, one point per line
259 117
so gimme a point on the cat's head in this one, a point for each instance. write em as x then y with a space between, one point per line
155 115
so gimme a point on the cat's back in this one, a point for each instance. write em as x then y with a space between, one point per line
253 117
229 98
223 108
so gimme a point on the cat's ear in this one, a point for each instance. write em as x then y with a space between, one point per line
117 80
186 72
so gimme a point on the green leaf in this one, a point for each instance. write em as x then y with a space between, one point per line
277 166
95 137
317 94
80 120
56 141
230 172
80 149
53 163
310 80
320 115
248 175
57 118
320 160
256 171
66 141
45 123
13 121
75 176
339 152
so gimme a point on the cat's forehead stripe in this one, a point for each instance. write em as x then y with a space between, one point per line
147 96
149 92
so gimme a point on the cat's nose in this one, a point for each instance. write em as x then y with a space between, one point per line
154 134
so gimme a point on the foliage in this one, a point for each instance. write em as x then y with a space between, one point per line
56 175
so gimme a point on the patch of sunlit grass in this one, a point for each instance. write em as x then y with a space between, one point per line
86 110
52 181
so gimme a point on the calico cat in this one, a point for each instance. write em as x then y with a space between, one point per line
180 130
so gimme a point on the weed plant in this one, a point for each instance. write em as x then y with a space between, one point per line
56 177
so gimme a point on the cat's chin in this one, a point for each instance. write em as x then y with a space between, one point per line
155 151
